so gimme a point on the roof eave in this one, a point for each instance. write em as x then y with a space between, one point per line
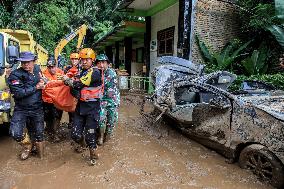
124 4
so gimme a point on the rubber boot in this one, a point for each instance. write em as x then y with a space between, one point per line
48 126
80 146
55 126
71 116
108 135
34 150
40 149
27 151
93 156
101 136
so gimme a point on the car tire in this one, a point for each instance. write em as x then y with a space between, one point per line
263 163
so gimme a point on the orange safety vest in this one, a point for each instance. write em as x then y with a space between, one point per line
89 94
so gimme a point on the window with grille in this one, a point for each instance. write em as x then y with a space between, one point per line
166 42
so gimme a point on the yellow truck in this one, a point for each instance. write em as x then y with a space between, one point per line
27 43
12 42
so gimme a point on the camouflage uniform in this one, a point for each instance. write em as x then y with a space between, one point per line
110 101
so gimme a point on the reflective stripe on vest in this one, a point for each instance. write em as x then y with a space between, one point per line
89 94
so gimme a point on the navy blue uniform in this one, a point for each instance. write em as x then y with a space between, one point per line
86 118
28 103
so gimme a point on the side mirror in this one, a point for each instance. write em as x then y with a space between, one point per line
13 54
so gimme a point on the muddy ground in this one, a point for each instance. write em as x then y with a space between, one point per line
139 156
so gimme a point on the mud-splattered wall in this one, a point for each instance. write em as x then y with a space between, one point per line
216 23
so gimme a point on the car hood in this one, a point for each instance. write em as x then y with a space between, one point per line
170 68
273 105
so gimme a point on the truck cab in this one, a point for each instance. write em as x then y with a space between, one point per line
12 42
28 43
6 62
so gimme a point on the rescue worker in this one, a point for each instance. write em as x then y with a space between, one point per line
72 71
28 133
52 115
110 101
26 85
86 118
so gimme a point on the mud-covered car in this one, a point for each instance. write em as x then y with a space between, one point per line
247 125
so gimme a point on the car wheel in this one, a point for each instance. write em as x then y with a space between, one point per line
263 163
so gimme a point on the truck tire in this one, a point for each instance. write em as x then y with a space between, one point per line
263 163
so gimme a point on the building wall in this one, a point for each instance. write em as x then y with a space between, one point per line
136 67
162 20
216 23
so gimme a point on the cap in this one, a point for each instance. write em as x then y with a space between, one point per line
51 62
102 57
27 56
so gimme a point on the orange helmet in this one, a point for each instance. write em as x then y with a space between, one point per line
74 56
87 53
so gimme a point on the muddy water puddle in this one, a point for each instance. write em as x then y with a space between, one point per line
139 156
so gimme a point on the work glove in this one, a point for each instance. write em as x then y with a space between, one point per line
62 77
68 81
43 78
40 85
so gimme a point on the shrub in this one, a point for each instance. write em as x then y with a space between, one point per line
276 80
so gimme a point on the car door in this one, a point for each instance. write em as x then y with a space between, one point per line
202 113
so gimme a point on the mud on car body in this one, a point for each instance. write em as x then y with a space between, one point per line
247 126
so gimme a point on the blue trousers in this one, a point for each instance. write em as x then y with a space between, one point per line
86 123
19 120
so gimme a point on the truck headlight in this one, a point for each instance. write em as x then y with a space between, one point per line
5 95
5 103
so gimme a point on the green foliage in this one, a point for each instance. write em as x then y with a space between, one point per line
237 83
261 19
278 29
276 80
50 21
228 54
223 59
205 53
102 28
256 64
256 15
5 16
278 32
209 68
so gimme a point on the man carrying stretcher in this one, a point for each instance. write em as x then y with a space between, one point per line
52 115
